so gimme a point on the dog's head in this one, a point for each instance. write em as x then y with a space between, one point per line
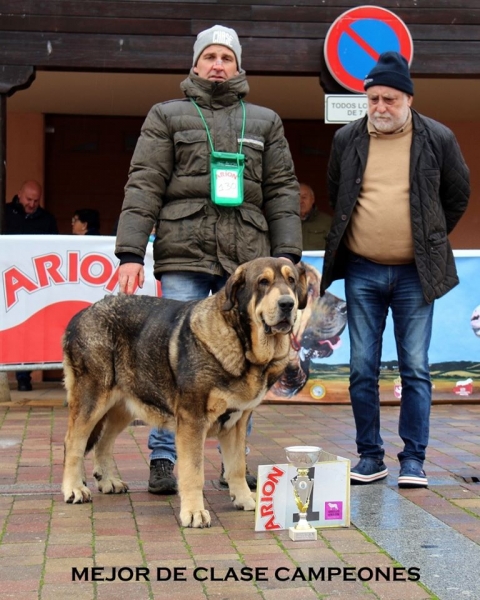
475 321
316 334
319 326
270 290
321 335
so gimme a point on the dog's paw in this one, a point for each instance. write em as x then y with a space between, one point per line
78 495
112 485
244 503
197 518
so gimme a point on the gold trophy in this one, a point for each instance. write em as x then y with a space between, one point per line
302 457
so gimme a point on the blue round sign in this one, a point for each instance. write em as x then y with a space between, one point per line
358 37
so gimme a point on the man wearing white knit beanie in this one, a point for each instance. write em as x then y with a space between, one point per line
200 240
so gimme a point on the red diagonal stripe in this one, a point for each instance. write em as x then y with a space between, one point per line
362 43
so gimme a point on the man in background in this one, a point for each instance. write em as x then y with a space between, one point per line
25 216
315 223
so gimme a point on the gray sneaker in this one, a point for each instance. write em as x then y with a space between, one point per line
162 480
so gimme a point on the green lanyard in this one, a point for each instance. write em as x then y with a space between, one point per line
226 170
208 131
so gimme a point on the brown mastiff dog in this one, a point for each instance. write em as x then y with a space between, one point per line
198 368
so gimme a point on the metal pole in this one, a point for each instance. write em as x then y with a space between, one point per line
5 395
32 367
12 78
3 159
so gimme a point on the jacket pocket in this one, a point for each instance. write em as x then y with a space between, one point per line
252 239
431 178
191 152
253 148
438 247
180 230
437 240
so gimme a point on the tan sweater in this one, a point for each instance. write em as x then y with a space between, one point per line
380 227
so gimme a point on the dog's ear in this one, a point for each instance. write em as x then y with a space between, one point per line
302 287
232 286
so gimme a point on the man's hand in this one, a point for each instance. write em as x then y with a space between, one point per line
129 274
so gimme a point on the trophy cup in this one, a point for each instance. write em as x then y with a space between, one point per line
302 457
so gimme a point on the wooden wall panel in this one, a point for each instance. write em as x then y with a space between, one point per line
164 54
278 36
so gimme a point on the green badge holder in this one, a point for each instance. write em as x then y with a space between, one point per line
226 169
226 178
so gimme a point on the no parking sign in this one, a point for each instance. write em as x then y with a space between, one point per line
358 37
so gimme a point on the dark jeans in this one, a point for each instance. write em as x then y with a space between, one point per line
371 290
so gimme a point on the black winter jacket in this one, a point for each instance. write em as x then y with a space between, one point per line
18 222
439 192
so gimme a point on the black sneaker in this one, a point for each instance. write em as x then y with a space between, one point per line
368 470
249 478
24 386
162 480
412 474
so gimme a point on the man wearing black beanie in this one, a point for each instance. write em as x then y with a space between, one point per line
398 184
392 71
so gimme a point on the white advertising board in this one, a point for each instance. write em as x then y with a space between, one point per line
329 503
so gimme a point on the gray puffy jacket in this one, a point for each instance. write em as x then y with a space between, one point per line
439 192
169 184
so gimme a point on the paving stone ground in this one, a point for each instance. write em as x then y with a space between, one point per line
133 546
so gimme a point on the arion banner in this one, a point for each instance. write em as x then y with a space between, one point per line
45 280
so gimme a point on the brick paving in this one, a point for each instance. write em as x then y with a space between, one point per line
139 550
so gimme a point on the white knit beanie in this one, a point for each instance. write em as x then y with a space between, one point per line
218 34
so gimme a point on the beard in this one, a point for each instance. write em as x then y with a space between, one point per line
387 123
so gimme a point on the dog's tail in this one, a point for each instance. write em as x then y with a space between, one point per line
95 435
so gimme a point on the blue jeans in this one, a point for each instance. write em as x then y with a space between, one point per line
183 286
371 290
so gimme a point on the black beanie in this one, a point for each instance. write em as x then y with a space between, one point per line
392 71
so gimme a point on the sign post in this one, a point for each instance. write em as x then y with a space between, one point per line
353 45
343 108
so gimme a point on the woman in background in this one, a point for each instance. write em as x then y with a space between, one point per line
86 221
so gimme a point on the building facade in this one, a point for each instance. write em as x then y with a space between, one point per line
77 78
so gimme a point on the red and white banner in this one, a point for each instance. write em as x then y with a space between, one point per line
45 280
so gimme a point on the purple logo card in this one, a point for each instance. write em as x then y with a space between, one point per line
333 510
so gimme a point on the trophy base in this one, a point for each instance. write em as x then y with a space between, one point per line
302 535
